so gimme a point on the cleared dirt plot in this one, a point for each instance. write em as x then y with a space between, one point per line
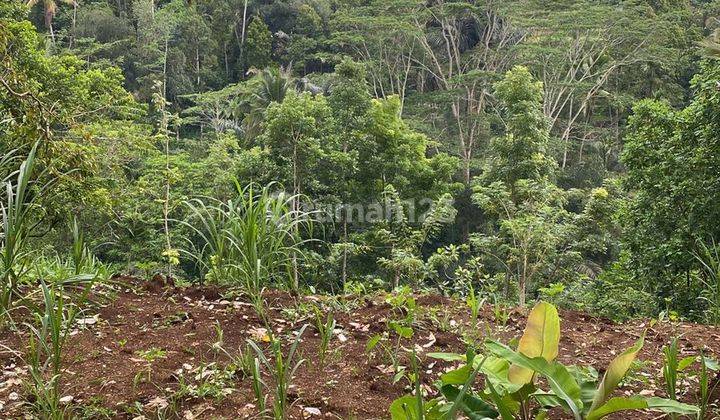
165 352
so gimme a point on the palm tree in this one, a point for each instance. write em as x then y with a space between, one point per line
275 82
50 7
267 86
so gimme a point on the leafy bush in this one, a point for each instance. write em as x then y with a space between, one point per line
618 302
611 295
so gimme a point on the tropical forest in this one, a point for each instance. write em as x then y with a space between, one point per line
360 209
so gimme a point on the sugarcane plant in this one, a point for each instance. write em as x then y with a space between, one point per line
281 367
18 204
53 322
251 241
676 370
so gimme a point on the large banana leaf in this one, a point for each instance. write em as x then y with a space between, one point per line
617 404
495 370
587 378
404 408
671 406
560 380
614 374
540 339
448 357
458 376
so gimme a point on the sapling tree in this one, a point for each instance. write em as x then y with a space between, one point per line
529 231
300 132
517 190
171 254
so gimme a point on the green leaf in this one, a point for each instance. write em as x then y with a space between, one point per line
399 374
372 343
457 376
448 357
617 404
686 362
505 405
404 332
615 372
496 371
401 407
671 406
712 364
540 339
471 405
547 400
405 408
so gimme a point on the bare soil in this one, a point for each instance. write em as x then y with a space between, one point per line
110 370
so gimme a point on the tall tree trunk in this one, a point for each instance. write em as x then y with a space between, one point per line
523 281
52 33
74 24
164 127
227 64
242 31
166 204
197 65
165 61
296 210
345 253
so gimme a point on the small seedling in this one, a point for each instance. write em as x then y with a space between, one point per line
282 371
325 328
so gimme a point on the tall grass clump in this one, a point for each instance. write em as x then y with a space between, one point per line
709 277
252 240
18 202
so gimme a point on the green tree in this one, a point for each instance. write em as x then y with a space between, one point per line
672 178
394 153
404 239
516 192
522 152
52 99
529 226
258 46
300 133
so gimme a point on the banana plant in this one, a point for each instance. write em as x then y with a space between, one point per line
535 356
456 395
511 391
